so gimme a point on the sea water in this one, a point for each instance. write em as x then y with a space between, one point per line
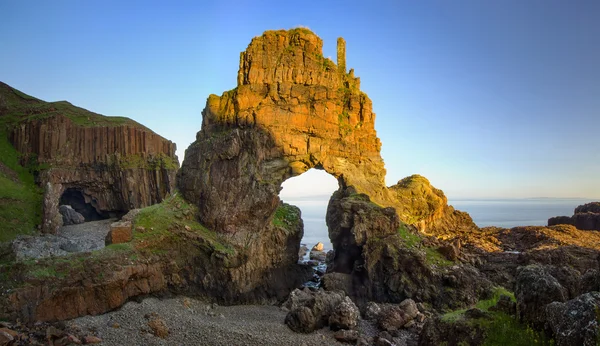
485 212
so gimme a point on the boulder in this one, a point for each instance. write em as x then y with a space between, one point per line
317 247
534 289
345 315
301 320
394 317
120 232
372 311
70 216
575 322
451 251
320 256
321 304
590 281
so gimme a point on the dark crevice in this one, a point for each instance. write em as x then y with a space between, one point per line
76 199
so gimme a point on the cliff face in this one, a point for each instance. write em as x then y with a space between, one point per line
586 217
111 164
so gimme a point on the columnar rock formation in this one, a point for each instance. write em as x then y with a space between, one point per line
113 164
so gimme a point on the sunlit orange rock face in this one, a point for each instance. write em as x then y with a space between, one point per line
292 110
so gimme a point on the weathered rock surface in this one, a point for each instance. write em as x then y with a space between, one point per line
535 288
575 322
345 315
111 164
311 310
422 205
384 266
586 217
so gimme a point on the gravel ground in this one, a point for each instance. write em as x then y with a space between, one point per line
193 322
84 237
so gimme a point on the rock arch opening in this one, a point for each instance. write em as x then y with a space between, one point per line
80 203
310 192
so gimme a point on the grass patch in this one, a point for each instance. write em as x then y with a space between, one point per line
46 272
286 215
413 241
16 106
160 221
119 247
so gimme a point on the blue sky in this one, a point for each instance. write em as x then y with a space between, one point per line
485 98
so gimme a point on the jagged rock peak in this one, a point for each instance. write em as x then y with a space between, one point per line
292 56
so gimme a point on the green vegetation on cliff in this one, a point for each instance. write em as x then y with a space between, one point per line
286 215
16 106
20 197
165 221
414 241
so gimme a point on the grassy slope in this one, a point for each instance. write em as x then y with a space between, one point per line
20 197
16 106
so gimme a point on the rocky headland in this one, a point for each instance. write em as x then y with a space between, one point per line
585 217
406 268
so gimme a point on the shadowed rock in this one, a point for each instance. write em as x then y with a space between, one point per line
586 217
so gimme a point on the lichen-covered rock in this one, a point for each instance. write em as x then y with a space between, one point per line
575 322
534 289
345 315
590 281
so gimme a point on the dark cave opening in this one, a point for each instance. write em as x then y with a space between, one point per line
76 199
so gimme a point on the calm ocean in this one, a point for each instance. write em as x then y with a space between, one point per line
485 212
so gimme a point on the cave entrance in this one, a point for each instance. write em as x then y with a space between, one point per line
310 192
84 206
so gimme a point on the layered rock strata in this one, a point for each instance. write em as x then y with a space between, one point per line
111 164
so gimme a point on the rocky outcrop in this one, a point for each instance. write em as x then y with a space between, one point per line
422 205
388 262
110 164
535 288
575 322
586 217
292 110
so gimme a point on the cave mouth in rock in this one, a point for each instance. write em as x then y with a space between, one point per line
76 199
310 191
